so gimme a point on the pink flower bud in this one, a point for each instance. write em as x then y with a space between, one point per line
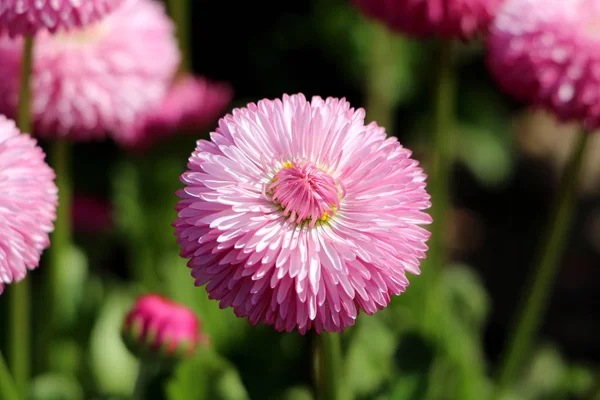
157 326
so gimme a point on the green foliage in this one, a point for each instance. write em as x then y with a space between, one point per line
72 282
298 393
114 368
485 145
54 386
485 153
358 43
459 315
550 377
369 362
207 376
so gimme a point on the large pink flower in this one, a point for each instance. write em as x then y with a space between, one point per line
445 18
191 104
96 80
298 215
28 200
26 17
549 54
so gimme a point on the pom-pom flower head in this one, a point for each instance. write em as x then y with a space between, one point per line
549 54
100 79
159 327
26 17
298 215
28 197
443 18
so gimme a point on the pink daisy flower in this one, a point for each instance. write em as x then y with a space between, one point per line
96 80
26 17
28 197
444 18
549 55
159 326
191 104
299 215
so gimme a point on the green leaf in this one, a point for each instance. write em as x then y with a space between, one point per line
579 380
469 297
229 386
549 377
547 372
66 357
55 386
71 279
370 356
114 368
486 155
206 376
298 393
454 322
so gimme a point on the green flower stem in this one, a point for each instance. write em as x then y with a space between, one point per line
439 174
20 330
8 389
382 69
61 239
328 366
180 12
146 373
548 260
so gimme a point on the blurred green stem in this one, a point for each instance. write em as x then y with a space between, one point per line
8 389
20 330
546 268
382 70
61 238
180 12
439 176
20 294
147 371
328 366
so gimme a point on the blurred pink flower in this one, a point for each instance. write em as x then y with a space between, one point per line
191 104
26 17
549 54
91 214
444 18
159 326
28 197
99 79
298 215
